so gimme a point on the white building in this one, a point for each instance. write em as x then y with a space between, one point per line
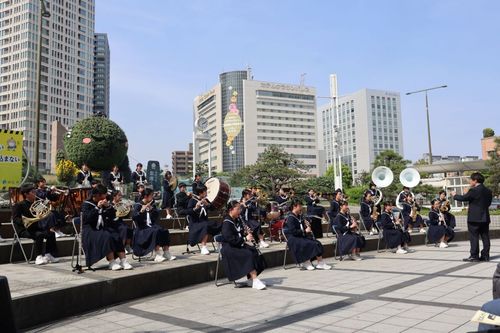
271 114
370 122
66 71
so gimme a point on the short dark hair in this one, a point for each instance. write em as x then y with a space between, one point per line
295 202
442 192
41 179
200 189
231 205
147 191
245 192
197 175
99 189
388 203
26 188
405 188
477 177
433 201
182 185
366 194
343 203
139 165
115 193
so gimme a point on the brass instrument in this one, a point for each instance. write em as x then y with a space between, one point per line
445 206
413 213
40 209
172 183
59 191
122 209
396 221
375 213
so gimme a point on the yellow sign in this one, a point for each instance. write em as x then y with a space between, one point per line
11 158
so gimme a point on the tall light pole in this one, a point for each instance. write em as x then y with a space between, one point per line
427 112
44 13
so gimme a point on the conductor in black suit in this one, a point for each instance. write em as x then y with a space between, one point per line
478 217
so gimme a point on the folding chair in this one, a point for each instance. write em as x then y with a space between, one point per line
336 244
77 245
286 247
188 250
177 219
15 197
427 224
140 258
380 237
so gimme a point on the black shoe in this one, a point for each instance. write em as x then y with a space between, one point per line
485 258
471 259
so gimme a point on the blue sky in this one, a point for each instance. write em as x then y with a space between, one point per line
164 53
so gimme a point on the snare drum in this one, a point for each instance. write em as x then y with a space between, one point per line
218 192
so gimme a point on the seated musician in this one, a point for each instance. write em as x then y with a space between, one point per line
238 256
100 237
334 205
167 201
199 224
394 234
446 210
409 221
182 200
366 213
84 177
115 178
249 215
372 189
138 178
123 229
303 248
38 229
197 182
140 193
350 241
42 192
315 212
282 200
148 234
439 232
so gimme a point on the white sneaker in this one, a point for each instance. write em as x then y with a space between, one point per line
371 233
2 240
443 245
41 260
128 250
114 265
263 244
159 258
168 256
258 284
125 264
59 234
375 232
169 217
401 251
308 266
350 257
358 257
323 265
204 250
50 258
187 228
422 230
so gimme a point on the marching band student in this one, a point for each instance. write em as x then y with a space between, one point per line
240 258
100 237
182 200
366 211
408 203
148 234
282 197
350 242
38 230
304 249
196 183
199 224
372 189
315 213
115 178
439 232
138 177
140 193
249 215
394 235
445 209
84 177
122 228
42 192
334 205
168 195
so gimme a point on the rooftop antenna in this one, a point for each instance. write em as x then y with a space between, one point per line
249 72
302 79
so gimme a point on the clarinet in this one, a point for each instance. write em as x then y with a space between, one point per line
308 225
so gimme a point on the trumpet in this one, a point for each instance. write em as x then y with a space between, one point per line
59 191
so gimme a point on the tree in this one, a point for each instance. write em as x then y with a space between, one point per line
346 176
396 163
202 169
488 132
493 164
273 169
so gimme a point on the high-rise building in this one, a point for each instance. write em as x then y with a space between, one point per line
370 122
67 71
269 114
101 74
182 161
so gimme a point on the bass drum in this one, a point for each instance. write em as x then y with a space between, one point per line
218 192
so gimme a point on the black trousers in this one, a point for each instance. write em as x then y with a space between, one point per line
476 230
38 235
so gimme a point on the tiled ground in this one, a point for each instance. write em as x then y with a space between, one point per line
430 290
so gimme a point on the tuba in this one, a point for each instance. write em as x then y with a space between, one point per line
409 177
40 209
382 176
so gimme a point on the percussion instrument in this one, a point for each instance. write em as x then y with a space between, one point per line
273 211
218 192
77 196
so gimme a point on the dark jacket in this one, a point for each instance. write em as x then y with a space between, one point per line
479 199
181 203
19 210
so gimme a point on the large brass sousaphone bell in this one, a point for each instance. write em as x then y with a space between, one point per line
382 177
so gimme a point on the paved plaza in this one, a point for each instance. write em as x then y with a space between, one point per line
430 290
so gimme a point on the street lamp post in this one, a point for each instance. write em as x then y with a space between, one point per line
427 114
44 13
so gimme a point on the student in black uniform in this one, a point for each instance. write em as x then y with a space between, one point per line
140 193
84 177
138 177
115 178
438 231
182 200
148 234
446 210
199 224
304 249
366 210
42 192
39 230
334 205
315 213
196 183
167 201
394 234
249 216
409 223
239 256
350 241
100 237
126 233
